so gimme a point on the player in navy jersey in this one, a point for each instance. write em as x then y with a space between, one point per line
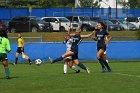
77 37
68 60
100 34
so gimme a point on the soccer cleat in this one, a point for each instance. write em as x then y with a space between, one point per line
109 70
30 63
88 71
78 71
103 70
50 59
7 77
14 64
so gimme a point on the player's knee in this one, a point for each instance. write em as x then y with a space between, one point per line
5 63
98 56
63 56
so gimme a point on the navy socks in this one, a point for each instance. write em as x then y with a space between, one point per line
101 62
106 64
58 59
82 66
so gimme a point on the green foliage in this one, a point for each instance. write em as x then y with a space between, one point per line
37 3
134 3
88 3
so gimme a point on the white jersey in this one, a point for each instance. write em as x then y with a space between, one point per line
69 44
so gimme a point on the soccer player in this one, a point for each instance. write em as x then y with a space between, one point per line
100 34
77 37
68 60
20 50
4 47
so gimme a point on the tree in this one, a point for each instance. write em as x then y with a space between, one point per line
88 3
134 3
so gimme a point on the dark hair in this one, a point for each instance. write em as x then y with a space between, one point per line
102 24
3 33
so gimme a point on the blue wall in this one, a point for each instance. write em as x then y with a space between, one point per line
8 13
87 50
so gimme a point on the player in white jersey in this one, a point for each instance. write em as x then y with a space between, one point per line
68 60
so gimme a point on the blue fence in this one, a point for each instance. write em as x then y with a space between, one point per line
8 13
87 50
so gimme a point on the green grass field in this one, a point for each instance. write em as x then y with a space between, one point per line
49 78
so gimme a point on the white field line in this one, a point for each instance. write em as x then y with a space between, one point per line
126 75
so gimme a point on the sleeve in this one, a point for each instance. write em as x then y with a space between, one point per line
8 48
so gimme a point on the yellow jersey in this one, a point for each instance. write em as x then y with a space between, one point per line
20 42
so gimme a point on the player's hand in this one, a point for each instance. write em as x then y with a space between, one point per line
22 48
106 44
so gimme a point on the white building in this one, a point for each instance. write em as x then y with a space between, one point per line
111 3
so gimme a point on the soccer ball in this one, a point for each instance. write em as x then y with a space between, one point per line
38 61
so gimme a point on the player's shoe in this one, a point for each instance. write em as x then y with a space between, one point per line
50 59
109 70
88 71
103 70
78 71
14 64
30 63
7 77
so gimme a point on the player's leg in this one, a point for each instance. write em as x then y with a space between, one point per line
76 61
7 71
65 66
16 59
71 65
99 54
69 53
5 64
17 54
26 57
105 57
106 63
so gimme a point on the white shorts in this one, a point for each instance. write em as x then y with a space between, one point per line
69 57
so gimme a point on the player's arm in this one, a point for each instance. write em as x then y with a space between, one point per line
88 35
108 38
8 48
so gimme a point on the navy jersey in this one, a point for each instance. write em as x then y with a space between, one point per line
101 37
76 41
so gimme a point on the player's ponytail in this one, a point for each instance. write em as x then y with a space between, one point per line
3 33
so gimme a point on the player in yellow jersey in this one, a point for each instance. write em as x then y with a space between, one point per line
20 50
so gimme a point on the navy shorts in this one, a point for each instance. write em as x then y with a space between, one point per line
74 50
103 48
75 56
19 50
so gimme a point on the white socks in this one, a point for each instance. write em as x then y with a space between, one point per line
65 68
73 68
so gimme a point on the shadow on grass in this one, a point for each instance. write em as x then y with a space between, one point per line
9 78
